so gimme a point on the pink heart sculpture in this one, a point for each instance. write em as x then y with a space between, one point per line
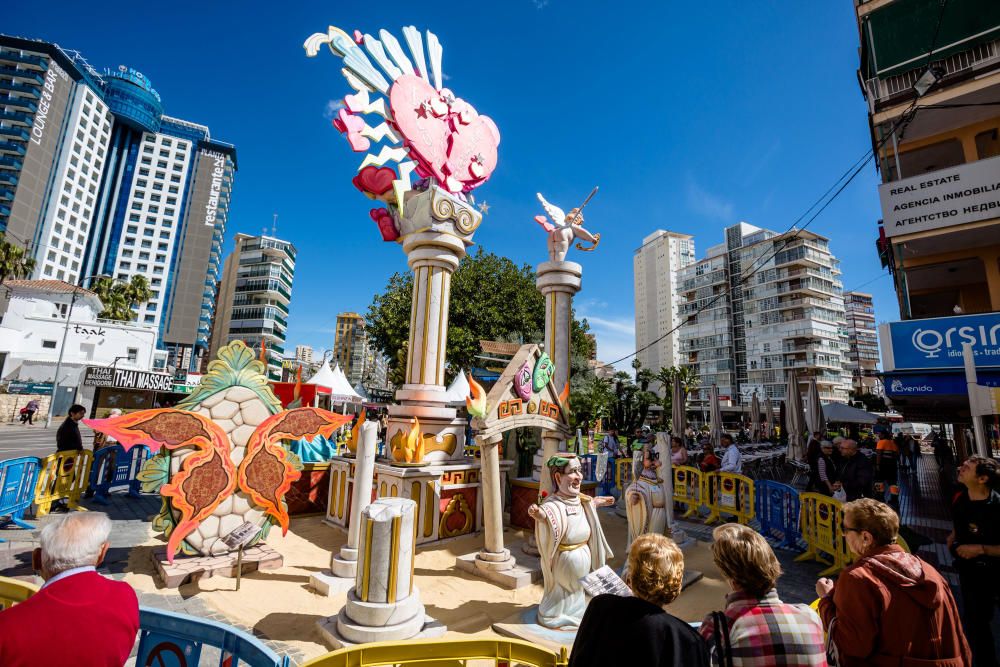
386 225
374 181
349 124
458 148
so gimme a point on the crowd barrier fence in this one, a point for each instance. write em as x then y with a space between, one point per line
167 638
62 475
13 591
688 489
113 467
17 490
729 493
822 520
777 510
444 652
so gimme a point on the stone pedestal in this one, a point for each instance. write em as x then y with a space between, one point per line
383 605
193 568
344 567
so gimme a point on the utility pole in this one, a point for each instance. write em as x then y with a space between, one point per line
62 350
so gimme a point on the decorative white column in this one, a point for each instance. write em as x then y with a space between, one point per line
493 556
558 282
384 604
343 568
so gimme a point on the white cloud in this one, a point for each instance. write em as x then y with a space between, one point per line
705 203
615 338
332 107
540 4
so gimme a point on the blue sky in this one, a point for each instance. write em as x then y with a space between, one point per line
690 117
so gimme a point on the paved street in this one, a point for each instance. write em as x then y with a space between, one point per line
18 440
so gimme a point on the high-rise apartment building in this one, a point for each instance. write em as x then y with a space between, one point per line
304 353
254 296
862 354
376 373
930 73
350 345
655 267
761 305
96 180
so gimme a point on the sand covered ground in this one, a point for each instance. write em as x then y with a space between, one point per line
281 605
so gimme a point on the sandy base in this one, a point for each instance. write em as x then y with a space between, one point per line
281 605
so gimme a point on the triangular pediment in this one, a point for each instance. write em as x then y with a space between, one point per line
525 396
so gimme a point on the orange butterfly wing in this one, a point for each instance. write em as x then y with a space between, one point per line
265 474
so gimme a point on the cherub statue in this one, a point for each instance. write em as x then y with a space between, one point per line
564 228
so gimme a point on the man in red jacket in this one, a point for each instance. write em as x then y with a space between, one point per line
889 608
78 617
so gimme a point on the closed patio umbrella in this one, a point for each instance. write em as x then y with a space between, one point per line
755 417
715 416
769 415
679 410
796 448
814 410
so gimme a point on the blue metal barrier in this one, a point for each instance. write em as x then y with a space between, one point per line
113 466
777 511
589 464
17 489
166 638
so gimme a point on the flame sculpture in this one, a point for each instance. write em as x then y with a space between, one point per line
408 448
564 398
354 438
475 403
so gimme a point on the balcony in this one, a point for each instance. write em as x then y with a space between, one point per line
9 177
11 162
16 117
6 194
24 59
18 102
24 74
12 148
33 91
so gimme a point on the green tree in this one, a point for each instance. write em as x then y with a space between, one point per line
119 298
630 402
15 262
492 298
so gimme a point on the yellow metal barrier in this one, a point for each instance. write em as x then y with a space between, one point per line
728 493
62 475
688 482
623 472
13 591
443 652
822 520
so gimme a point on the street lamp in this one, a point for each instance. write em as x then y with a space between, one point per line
62 348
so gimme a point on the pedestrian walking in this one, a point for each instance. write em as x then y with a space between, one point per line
29 411
889 607
975 544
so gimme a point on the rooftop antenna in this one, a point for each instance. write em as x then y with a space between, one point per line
274 226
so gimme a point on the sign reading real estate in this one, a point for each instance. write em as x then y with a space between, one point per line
122 378
953 196
937 343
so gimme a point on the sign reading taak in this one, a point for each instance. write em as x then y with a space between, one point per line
943 198
123 378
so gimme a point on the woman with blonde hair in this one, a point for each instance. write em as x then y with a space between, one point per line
757 629
889 607
637 629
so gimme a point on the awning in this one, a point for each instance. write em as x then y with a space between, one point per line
841 413
896 37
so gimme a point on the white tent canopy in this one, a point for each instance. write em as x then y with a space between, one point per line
324 377
459 390
340 389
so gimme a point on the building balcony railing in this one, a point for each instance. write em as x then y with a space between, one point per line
16 117
12 148
9 177
25 74
30 90
980 57
24 59
18 102
11 162
15 132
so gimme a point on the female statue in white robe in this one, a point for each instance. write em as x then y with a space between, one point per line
571 544
647 497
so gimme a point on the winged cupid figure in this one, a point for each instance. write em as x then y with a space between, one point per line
564 228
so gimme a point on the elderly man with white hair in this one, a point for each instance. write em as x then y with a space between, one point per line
79 617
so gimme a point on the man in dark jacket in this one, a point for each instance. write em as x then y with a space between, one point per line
855 471
68 436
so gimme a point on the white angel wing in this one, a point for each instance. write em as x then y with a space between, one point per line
555 213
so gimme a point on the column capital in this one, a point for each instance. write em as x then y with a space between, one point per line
433 248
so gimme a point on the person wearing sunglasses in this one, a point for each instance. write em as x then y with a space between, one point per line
889 607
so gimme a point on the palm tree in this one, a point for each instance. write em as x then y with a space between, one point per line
119 298
15 263
689 379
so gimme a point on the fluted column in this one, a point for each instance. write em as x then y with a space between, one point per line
493 555
346 565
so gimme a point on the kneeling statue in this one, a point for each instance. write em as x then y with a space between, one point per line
646 498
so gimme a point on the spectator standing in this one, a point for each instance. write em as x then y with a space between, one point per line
975 544
611 445
678 452
762 630
813 452
68 437
889 607
826 471
732 459
855 472
886 468
709 461
78 617
639 627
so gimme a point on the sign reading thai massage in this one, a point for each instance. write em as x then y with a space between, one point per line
122 378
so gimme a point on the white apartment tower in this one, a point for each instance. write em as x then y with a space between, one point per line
304 353
655 268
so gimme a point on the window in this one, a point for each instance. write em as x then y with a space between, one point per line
48 344
147 232
132 229
133 354
143 255
150 319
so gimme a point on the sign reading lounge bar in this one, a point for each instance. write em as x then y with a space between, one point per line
122 378
944 198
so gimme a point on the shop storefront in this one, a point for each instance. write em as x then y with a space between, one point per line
128 390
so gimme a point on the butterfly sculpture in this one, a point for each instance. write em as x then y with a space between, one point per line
209 475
